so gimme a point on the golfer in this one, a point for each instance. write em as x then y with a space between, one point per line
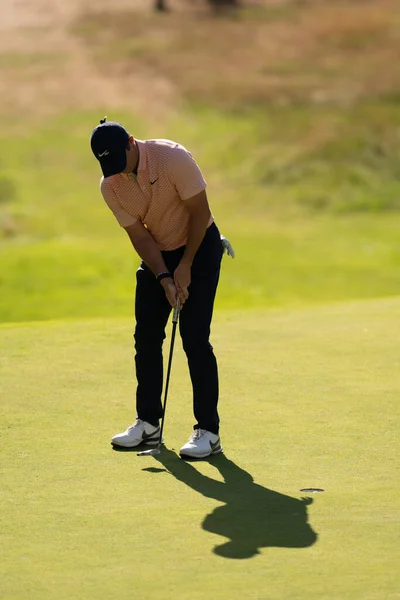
158 195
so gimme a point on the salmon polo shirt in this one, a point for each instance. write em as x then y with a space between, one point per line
167 175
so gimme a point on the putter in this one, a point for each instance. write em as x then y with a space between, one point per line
157 450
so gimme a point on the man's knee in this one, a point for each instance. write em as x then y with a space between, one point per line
196 345
147 339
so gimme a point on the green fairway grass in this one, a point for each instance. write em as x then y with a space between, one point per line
276 264
309 398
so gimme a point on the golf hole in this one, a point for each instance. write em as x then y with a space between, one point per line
312 490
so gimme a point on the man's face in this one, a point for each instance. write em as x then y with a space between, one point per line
131 156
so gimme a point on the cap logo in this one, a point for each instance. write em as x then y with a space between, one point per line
105 153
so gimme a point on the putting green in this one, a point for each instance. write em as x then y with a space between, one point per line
309 398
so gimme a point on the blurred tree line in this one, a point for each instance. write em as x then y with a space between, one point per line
163 5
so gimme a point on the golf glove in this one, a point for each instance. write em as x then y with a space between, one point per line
227 246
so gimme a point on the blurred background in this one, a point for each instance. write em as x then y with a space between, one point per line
291 108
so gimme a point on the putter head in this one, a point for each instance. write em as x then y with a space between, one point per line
152 452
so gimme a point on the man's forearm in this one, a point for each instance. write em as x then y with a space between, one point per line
196 232
149 252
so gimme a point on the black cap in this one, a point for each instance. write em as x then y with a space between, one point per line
109 141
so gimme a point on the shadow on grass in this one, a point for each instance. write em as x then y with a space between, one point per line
252 516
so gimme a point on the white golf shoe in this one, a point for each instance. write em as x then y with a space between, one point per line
141 432
202 443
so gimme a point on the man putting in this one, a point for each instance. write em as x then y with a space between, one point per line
158 195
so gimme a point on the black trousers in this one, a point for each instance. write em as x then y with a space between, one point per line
152 310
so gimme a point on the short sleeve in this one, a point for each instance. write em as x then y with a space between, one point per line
110 197
184 172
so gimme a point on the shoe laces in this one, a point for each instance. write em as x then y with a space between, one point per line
197 434
137 423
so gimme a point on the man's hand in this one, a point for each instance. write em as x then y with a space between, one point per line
182 280
170 290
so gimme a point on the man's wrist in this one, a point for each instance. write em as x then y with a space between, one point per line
186 261
163 275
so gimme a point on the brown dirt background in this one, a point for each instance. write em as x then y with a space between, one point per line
82 54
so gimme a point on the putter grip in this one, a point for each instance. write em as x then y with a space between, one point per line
176 313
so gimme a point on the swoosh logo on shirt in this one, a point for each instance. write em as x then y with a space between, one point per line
153 182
